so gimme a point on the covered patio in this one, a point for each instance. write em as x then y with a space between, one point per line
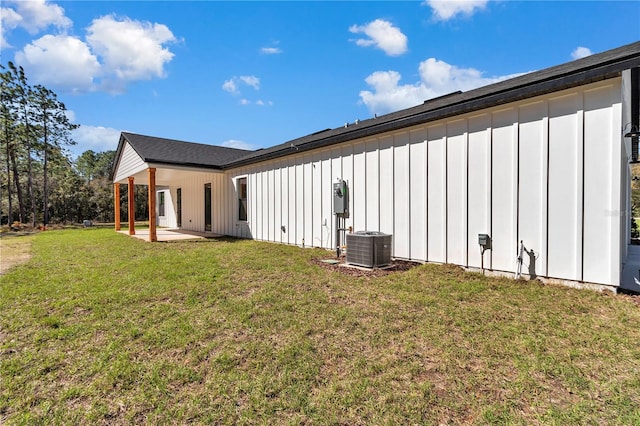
157 163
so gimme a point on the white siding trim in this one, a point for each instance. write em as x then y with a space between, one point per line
130 163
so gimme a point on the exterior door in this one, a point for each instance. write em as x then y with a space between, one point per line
179 208
207 207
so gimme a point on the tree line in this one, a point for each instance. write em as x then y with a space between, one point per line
39 181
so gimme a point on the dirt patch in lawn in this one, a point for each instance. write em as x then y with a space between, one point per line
356 271
14 250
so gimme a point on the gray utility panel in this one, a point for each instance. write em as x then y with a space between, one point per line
340 198
370 249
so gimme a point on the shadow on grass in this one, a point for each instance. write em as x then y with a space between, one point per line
206 239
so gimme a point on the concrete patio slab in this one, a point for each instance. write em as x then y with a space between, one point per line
165 235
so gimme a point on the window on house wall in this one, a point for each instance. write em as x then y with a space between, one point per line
161 204
207 207
179 207
242 199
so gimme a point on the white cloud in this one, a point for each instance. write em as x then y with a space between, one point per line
96 138
448 9
71 115
114 53
230 86
581 52
60 60
233 84
270 50
251 80
437 78
234 143
382 35
130 50
9 19
259 102
388 95
33 16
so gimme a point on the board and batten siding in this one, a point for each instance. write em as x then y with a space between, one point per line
545 171
192 186
130 163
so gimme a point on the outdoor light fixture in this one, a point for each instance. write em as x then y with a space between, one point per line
633 133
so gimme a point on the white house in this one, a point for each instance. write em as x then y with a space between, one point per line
539 161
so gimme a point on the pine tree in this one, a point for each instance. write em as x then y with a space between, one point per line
54 131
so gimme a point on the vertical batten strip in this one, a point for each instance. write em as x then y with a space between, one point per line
426 194
544 217
548 189
446 193
515 179
409 235
489 137
579 275
465 179
620 161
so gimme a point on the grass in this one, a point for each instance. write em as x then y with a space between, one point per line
101 328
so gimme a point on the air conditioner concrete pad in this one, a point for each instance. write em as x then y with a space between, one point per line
364 268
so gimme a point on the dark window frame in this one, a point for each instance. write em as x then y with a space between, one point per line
208 213
161 204
242 186
179 207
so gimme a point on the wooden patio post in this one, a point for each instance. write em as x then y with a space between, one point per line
152 205
132 208
116 204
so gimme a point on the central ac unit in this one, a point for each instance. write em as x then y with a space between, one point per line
370 249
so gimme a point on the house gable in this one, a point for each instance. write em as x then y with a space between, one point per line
136 153
129 163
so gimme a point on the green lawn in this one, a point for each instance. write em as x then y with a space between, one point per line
98 328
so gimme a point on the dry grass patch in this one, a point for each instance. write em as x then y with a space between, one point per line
14 250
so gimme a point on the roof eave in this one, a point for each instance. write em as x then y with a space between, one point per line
591 74
182 164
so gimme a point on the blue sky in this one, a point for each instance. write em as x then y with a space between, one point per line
255 74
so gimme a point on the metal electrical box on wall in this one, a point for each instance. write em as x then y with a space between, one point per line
340 198
484 241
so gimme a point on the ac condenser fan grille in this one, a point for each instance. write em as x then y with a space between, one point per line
369 249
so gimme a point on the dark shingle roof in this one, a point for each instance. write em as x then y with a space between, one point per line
170 151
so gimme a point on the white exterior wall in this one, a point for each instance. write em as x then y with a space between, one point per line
130 163
192 186
478 186
545 171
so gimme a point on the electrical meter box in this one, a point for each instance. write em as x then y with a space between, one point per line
340 198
